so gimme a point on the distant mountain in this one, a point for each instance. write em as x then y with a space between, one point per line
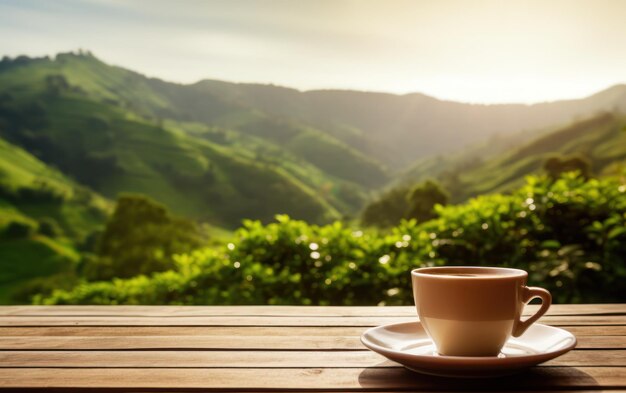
501 164
221 151
398 129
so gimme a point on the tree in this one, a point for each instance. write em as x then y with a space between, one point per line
557 165
423 198
388 209
18 230
140 237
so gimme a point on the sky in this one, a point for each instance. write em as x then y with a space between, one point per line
478 51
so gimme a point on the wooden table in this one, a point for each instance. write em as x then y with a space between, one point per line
143 348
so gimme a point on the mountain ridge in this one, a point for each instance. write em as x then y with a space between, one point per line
90 54
338 112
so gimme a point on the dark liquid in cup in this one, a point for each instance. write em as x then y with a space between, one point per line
460 274
465 275
457 274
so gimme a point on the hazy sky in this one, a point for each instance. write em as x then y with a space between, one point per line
477 51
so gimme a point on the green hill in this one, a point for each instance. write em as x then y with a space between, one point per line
393 130
28 187
501 166
96 123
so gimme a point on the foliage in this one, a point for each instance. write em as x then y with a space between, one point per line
569 234
18 230
555 165
423 199
402 202
49 227
140 237
388 209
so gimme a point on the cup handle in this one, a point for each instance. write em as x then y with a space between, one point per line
529 294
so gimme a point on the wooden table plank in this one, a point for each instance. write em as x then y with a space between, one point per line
614 330
301 343
312 311
253 359
267 321
308 378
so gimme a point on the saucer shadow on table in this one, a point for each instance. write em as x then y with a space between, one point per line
383 377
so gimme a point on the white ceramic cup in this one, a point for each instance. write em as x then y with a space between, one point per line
473 311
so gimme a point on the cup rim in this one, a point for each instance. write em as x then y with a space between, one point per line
509 272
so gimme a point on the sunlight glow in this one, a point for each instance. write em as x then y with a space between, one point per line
474 51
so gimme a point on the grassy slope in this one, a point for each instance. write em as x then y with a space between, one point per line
152 158
80 212
27 259
601 138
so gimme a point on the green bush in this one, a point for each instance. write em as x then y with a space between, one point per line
570 234
18 230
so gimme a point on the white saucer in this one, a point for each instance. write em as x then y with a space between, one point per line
408 344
